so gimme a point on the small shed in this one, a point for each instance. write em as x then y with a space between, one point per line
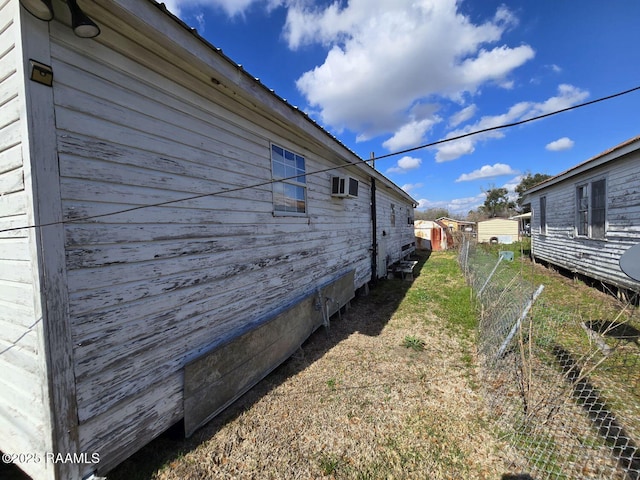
432 235
171 230
498 230
586 217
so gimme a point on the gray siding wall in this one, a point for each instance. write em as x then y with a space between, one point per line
596 258
24 409
152 288
394 231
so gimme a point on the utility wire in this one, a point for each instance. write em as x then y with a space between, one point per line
347 164
509 125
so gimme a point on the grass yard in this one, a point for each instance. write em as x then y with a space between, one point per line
390 391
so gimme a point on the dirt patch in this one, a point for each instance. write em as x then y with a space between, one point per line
352 403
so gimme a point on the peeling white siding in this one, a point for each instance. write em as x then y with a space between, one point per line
595 258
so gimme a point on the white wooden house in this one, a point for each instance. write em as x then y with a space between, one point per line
170 231
585 218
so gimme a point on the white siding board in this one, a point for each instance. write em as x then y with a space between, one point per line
8 86
133 166
153 410
20 294
15 334
175 193
14 249
13 204
12 181
10 134
30 437
10 159
227 235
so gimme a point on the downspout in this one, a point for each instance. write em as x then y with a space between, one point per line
374 236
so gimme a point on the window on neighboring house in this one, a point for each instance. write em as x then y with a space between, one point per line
598 208
393 215
290 192
591 209
543 215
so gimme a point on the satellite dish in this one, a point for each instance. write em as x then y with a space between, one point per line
630 262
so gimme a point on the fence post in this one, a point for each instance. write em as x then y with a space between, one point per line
489 277
516 326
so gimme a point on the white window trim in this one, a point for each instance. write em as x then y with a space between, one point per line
290 181
589 184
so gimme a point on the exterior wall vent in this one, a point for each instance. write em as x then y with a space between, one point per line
344 187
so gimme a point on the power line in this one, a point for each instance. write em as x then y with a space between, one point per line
348 164
509 125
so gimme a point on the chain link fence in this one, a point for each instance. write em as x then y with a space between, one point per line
564 390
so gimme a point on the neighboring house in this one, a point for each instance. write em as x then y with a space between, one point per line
242 227
498 230
585 218
431 235
524 223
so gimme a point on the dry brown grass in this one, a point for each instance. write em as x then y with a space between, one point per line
353 403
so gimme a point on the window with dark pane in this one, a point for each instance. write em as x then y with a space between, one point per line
543 215
582 210
598 208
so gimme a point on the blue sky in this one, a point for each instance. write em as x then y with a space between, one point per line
389 75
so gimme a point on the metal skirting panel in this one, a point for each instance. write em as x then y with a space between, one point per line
215 380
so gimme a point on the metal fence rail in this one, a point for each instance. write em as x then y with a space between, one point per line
564 391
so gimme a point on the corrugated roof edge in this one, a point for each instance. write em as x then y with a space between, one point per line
219 51
593 162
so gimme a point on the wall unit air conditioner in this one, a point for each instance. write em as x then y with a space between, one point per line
344 187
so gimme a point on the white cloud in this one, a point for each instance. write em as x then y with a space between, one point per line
463 115
384 56
513 183
567 96
230 7
410 135
455 149
409 187
487 171
405 164
564 143
456 206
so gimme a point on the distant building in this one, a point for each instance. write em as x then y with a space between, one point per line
457 225
432 235
498 230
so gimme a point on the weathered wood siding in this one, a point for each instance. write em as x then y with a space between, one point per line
152 288
595 258
502 228
24 412
395 233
